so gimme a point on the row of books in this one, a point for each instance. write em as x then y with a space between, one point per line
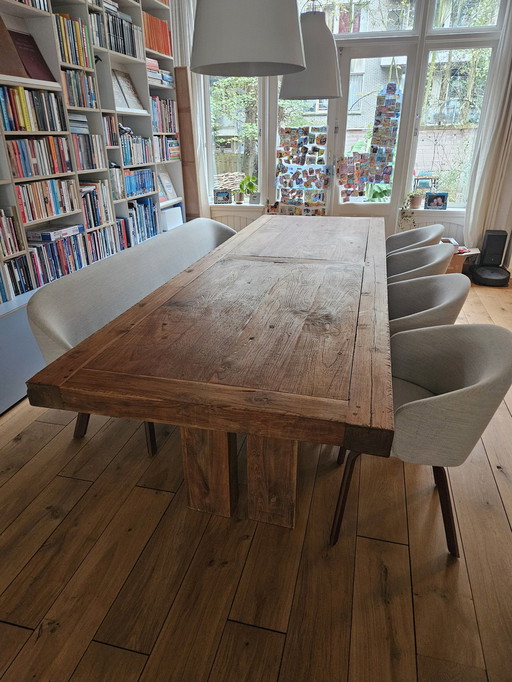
19 280
109 240
32 157
110 131
123 35
46 199
74 43
142 221
157 35
158 76
166 148
95 200
31 110
79 89
55 259
117 183
97 30
10 242
89 151
163 115
43 4
136 149
138 181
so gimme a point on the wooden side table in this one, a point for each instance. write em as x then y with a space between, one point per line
458 260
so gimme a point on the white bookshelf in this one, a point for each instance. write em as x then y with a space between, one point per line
41 25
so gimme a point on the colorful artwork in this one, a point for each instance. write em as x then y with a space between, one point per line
355 172
302 176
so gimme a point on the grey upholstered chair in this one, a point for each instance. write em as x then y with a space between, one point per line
65 312
448 381
426 301
420 262
413 239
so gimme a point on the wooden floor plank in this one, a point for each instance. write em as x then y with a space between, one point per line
20 450
137 615
436 670
63 417
264 596
441 589
165 471
16 419
186 647
382 644
21 540
102 663
29 596
497 440
19 491
53 651
247 653
486 538
12 638
381 499
97 454
318 636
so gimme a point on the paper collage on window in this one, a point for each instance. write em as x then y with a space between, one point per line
359 173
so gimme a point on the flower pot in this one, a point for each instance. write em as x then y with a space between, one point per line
416 201
239 197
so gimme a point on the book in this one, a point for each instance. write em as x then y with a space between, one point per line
165 183
52 235
9 57
31 57
127 90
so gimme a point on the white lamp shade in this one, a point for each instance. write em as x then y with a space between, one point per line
321 79
247 38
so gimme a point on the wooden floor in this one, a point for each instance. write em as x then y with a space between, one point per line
106 575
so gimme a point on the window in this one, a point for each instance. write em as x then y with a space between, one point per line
234 125
465 13
370 16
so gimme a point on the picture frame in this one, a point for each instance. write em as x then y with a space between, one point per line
437 201
222 196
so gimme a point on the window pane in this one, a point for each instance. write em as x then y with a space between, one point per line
372 16
465 13
454 94
365 172
302 176
234 120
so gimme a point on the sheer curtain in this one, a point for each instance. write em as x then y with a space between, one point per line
183 13
489 204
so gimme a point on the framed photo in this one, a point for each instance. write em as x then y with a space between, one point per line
221 196
436 200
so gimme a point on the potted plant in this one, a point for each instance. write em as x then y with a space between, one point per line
415 199
247 186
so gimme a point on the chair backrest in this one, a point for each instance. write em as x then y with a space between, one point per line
421 262
411 239
65 312
426 301
468 369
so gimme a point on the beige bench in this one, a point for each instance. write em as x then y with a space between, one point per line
68 310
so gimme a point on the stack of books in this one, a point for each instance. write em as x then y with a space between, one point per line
74 42
163 115
138 182
56 252
18 272
157 36
32 157
142 221
45 199
95 203
9 239
117 182
136 150
89 149
110 131
79 89
31 110
122 34
97 30
108 241
166 148
158 76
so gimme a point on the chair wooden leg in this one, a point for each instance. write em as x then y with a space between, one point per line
342 498
341 455
443 488
149 427
82 422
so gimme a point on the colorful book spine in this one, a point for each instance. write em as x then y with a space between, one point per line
157 35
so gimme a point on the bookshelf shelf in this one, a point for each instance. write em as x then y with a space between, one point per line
82 136
164 163
42 221
35 178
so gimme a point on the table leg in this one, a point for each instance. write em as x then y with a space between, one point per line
272 480
210 470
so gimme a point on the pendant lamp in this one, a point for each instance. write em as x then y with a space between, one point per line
321 79
247 38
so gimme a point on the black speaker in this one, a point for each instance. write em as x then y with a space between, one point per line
493 247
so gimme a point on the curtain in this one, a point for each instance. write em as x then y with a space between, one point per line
489 204
183 13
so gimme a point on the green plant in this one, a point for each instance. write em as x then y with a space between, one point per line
378 191
248 184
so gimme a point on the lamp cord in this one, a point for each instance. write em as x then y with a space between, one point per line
314 4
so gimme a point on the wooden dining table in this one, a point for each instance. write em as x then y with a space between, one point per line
281 333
